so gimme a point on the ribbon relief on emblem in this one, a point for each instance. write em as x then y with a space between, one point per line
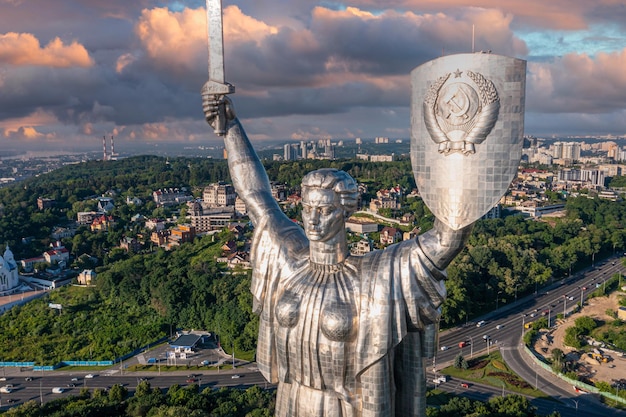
460 109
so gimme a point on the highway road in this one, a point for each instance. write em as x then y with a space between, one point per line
504 329
33 386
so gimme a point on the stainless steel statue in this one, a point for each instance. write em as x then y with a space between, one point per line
346 336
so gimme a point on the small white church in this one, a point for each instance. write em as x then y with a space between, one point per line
9 277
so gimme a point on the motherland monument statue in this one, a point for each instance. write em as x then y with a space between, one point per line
348 336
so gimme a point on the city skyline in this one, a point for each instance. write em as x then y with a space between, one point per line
304 70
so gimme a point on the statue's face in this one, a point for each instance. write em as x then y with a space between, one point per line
322 214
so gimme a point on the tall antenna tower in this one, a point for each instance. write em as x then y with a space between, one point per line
104 148
473 34
113 154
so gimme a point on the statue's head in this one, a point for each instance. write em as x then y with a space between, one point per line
329 197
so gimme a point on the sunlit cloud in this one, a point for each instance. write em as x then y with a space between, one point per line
22 49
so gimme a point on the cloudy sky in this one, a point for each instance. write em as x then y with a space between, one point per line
73 70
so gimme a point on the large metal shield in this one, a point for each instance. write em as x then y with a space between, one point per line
467 125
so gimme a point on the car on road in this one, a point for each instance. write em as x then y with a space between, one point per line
28 378
89 376
480 323
462 344
71 385
3 378
532 314
464 385
74 379
236 376
6 389
440 379
499 326
191 380
444 348
57 390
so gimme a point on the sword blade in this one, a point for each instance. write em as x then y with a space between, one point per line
216 40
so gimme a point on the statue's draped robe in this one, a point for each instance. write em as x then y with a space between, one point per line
396 294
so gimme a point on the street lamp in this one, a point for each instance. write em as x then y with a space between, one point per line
582 289
497 298
549 313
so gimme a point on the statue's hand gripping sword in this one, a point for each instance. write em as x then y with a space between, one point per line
216 84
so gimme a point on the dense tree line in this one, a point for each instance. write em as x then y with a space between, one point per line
253 402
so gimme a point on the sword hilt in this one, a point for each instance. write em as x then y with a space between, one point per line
218 90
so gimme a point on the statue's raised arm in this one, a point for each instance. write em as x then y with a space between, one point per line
246 171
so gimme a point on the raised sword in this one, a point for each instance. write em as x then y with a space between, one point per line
216 84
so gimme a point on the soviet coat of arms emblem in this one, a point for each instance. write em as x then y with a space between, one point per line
460 109
467 123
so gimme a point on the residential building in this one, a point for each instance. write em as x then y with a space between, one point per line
130 244
390 235
102 223
58 254
59 233
171 196
155 224
361 225
85 217
160 237
219 195
240 207
87 277
182 233
361 247
105 204
44 203
205 219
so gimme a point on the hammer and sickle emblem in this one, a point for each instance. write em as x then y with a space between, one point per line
458 104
